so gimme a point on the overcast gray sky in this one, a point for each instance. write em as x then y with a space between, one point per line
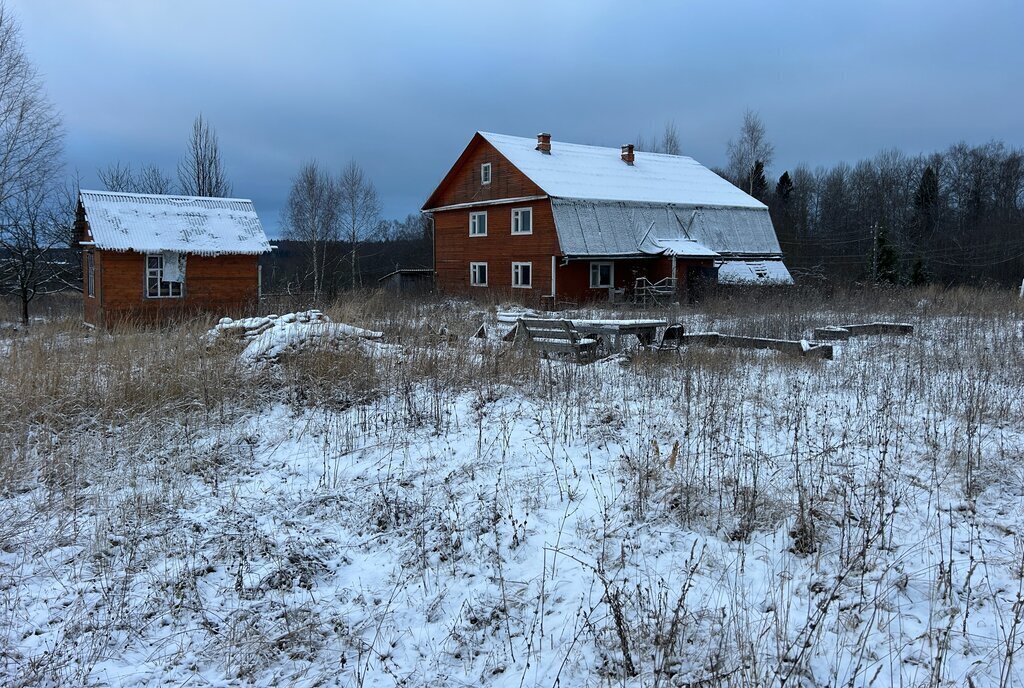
401 87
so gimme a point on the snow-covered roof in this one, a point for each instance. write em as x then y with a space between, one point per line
753 272
615 228
598 173
183 224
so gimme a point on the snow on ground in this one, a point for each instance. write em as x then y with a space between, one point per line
731 517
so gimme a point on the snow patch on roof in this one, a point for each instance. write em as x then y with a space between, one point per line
598 173
753 272
150 223
684 247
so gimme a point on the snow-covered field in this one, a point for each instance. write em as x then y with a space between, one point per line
433 510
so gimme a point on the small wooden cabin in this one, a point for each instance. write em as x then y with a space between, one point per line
546 220
147 258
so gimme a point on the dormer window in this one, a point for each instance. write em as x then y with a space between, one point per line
485 173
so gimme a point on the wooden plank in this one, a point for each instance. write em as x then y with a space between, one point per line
787 346
880 328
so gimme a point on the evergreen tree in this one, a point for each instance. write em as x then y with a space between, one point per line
886 260
926 200
918 274
784 189
756 182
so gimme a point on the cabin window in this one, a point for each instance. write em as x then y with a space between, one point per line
485 173
478 274
602 275
522 275
156 286
90 259
522 221
478 224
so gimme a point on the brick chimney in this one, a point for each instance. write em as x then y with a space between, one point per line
627 154
544 143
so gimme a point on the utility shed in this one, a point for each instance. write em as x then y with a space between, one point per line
560 220
408 280
148 258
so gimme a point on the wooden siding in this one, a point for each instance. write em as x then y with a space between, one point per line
462 183
224 285
455 250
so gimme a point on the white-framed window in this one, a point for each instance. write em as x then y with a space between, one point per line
522 275
90 259
156 287
522 221
478 274
485 173
602 275
478 224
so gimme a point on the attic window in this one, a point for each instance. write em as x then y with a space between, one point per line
485 173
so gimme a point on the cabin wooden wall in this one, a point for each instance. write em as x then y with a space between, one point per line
455 249
462 184
574 278
223 285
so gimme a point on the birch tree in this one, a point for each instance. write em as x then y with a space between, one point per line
749 148
314 204
360 213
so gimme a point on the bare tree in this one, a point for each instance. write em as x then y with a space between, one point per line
747 150
152 180
313 217
149 180
645 145
360 212
669 142
670 139
201 172
31 145
30 240
117 177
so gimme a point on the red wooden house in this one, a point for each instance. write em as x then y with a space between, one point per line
147 257
545 219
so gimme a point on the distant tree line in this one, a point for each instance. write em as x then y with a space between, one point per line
951 217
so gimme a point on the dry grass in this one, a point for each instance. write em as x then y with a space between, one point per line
110 435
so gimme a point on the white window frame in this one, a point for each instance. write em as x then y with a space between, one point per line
474 223
175 290
598 264
485 173
517 274
517 219
473 282
90 260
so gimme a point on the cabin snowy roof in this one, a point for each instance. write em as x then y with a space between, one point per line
598 173
183 224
